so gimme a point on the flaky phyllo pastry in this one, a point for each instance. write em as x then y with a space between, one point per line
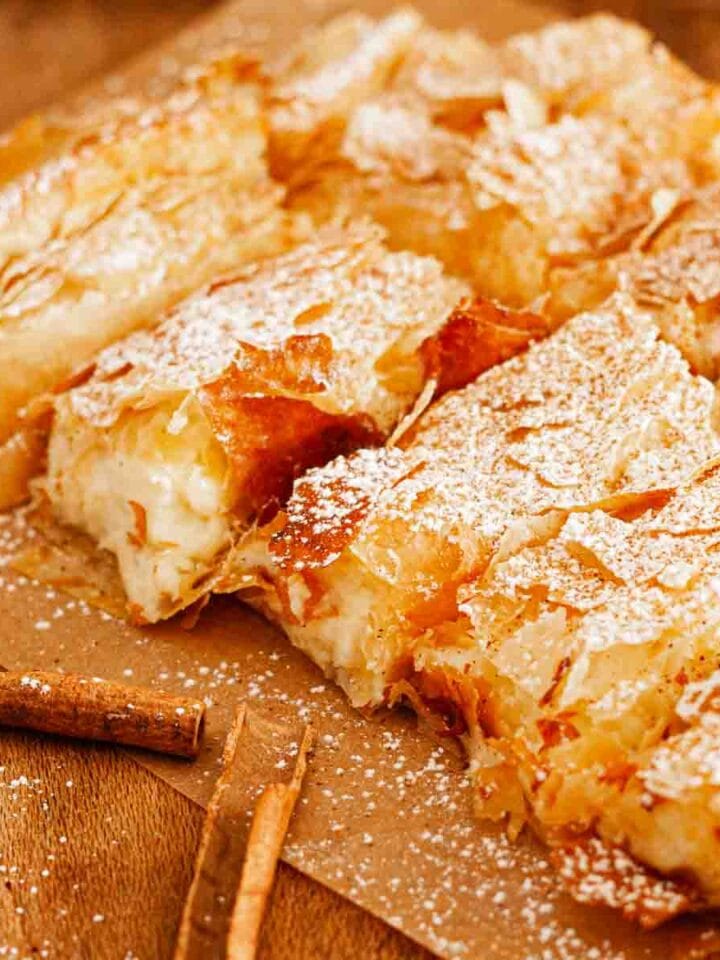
109 216
533 567
674 271
182 437
509 163
349 433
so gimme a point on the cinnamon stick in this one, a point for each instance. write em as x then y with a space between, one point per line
203 924
89 708
267 835
218 884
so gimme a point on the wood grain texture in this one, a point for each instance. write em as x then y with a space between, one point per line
95 853
96 856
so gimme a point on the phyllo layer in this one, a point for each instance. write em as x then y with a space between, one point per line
109 218
182 437
673 272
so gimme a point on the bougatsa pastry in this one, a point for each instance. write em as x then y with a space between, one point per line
92 291
595 657
114 218
506 162
556 60
561 193
678 279
530 570
600 414
317 84
185 436
603 65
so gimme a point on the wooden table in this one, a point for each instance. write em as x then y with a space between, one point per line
95 853
96 856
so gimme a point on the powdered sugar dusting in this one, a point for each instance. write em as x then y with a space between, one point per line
344 287
459 886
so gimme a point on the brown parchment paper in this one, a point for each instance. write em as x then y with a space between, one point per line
386 817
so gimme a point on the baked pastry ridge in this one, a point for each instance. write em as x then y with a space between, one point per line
673 272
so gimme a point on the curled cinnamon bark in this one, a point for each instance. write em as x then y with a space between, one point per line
234 869
267 836
89 708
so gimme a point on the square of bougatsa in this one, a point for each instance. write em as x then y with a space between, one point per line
111 213
182 437
534 568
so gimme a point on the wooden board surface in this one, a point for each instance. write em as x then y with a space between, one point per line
95 853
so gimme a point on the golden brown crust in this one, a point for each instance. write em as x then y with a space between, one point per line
314 322
542 547
322 519
683 261
673 272
478 335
